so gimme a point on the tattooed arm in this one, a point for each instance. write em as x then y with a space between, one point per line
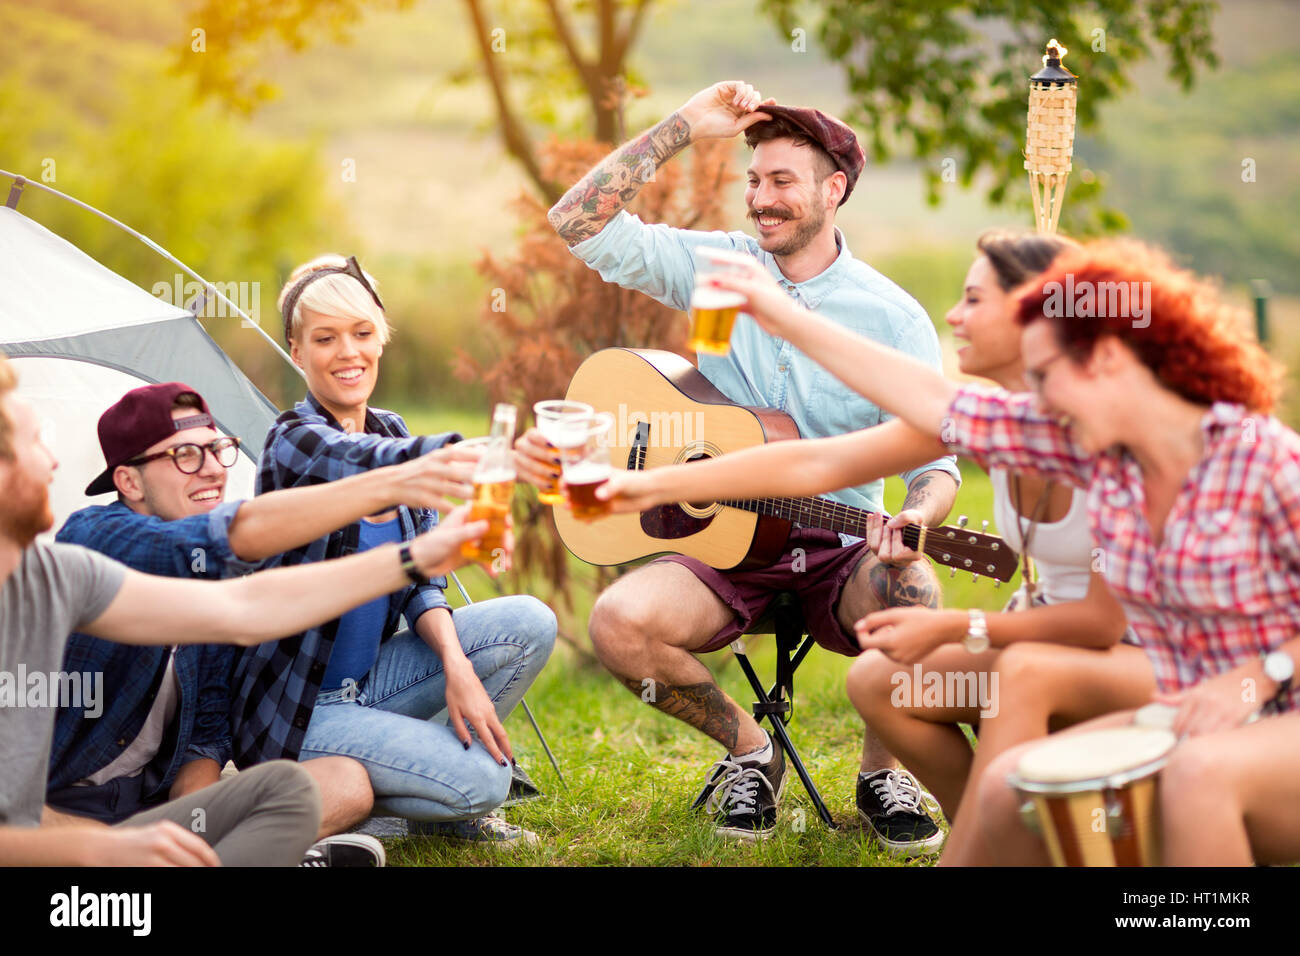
721 111
929 499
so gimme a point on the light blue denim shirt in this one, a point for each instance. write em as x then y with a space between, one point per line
763 370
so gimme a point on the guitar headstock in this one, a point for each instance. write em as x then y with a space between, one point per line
962 549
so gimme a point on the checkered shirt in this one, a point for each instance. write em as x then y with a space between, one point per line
275 684
1223 586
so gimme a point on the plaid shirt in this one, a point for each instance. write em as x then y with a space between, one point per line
276 683
1223 586
197 546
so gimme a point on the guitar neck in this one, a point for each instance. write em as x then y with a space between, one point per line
817 513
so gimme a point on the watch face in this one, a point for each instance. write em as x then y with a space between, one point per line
1279 666
976 644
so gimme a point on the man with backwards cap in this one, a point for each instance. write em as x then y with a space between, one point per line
165 731
651 623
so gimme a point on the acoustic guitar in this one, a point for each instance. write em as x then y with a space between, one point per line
665 413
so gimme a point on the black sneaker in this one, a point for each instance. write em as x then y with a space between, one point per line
745 795
345 849
894 806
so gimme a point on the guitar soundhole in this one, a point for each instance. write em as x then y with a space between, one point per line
700 506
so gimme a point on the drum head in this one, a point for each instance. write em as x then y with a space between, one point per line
1098 755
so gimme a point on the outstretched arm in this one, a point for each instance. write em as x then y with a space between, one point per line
794 468
721 111
281 520
898 383
272 604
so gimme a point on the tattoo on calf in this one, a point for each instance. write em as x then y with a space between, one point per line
702 705
597 197
913 585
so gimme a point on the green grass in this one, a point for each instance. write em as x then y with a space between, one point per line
632 771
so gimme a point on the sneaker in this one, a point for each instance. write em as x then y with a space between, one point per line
345 849
492 830
894 807
745 795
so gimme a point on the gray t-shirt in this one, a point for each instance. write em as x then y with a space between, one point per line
55 590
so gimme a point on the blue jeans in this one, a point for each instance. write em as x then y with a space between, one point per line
418 767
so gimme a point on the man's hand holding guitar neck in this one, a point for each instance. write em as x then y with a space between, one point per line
721 111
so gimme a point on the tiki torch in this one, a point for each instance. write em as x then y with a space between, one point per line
1049 142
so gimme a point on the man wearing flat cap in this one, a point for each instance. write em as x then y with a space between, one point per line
652 622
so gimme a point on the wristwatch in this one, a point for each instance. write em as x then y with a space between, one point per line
1279 668
977 635
409 566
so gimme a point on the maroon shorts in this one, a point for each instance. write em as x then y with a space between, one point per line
815 566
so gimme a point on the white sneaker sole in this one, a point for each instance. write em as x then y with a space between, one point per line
905 850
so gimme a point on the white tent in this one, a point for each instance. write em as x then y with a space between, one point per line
80 336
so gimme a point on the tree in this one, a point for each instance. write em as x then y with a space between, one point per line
546 37
919 70
920 76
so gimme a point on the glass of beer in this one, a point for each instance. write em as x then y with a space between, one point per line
713 311
494 486
563 424
586 467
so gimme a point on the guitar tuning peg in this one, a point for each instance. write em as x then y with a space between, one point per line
961 521
996 583
984 525
974 577
952 573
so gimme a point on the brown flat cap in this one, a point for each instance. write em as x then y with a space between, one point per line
830 134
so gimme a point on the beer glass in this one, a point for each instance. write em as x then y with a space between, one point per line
561 423
586 467
713 311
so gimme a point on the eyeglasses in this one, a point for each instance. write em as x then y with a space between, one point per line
188 458
1034 377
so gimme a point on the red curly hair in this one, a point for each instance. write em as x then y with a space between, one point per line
1195 343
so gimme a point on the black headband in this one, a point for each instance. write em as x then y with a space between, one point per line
351 269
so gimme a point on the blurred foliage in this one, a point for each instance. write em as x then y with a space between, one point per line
558 51
949 78
103 122
549 311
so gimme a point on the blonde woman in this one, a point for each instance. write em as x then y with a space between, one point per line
364 685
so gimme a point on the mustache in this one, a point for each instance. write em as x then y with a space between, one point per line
769 211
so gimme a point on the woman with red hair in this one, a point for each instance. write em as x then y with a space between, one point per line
1151 396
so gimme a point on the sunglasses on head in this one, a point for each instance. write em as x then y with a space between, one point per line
350 269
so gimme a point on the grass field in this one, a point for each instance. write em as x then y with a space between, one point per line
632 771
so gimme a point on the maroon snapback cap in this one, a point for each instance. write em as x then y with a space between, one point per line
830 134
141 418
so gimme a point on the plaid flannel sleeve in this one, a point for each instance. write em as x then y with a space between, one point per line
431 594
211 737
1280 504
313 452
996 428
195 546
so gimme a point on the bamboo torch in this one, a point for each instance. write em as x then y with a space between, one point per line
1049 141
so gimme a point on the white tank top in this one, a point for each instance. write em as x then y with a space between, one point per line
1062 550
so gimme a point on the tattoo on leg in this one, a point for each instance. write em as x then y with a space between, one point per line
904 587
702 705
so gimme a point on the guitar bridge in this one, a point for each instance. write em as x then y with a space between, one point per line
637 454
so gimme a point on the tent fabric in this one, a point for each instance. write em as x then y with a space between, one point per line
80 336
